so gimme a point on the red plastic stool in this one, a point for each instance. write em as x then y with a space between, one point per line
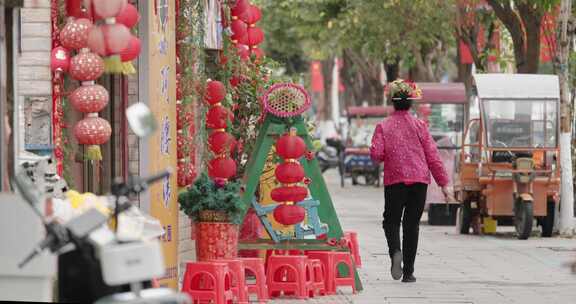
318 278
256 267
238 279
207 281
289 274
330 261
352 238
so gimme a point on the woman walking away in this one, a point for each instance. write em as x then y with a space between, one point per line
403 143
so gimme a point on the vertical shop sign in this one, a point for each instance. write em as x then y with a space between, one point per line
161 149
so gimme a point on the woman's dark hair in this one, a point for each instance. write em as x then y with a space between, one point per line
401 102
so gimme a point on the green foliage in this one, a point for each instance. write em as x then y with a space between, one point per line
204 194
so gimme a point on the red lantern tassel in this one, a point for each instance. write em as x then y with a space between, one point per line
93 152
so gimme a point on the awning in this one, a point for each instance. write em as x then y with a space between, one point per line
442 92
517 86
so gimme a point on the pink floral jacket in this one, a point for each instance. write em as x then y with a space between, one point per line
408 151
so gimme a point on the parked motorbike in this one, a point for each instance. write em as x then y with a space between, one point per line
330 155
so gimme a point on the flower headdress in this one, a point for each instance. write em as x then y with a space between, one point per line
400 89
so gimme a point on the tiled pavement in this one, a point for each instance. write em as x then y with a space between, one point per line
452 268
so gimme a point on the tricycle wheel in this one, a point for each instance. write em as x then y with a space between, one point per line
548 220
523 218
464 218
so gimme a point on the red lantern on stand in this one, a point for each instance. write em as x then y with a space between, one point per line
289 173
222 167
289 194
74 35
217 118
86 66
59 59
215 92
251 15
219 142
290 146
128 16
89 98
289 214
254 36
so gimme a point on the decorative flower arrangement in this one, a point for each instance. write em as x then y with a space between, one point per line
400 89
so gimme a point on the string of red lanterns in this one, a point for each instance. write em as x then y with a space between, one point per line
222 166
245 34
290 147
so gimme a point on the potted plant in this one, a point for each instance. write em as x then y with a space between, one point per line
216 209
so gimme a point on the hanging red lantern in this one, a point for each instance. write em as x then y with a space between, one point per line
254 36
215 92
132 51
74 35
217 118
240 7
86 66
128 16
59 59
92 131
243 51
290 146
257 53
289 173
219 142
89 98
76 9
289 194
109 39
222 167
108 8
289 214
239 29
251 15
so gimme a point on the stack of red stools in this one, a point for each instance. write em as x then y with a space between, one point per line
224 281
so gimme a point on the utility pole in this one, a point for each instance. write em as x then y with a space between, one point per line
567 186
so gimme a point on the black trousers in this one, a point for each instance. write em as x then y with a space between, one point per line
404 203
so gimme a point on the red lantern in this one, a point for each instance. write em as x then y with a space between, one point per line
243 51
74 8
289 173
219 142
217 118
74 35
215 92
289 214
108 8
257 53
239 29
109 39
254 36
132 51
89 98
252 15
86 66
59 59
290 146
222 167
128 16
289 194
240 7
92 131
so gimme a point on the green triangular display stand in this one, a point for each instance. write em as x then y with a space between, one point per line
271 130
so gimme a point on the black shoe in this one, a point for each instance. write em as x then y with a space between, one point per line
396 268
408 278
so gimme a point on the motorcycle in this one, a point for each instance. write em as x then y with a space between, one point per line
330 155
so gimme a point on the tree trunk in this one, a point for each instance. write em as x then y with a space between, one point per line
567 187
392 70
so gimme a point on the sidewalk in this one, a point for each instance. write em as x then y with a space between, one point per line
451 268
